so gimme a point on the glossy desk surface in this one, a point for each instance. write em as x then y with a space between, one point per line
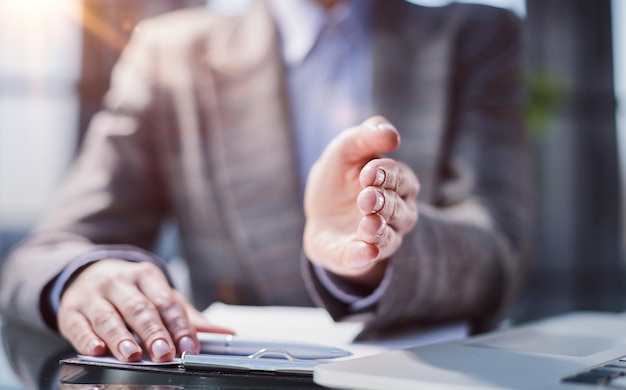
30 360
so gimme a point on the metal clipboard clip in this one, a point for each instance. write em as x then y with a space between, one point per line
265 360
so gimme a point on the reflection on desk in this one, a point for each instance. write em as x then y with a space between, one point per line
32 359
32 356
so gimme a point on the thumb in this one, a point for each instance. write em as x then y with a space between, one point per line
374 136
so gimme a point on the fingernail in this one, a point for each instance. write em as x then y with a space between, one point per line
128 348
380 202
186 344
386 126
94 345
160 348
380 177
382 228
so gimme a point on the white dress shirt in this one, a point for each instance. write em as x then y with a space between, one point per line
329 67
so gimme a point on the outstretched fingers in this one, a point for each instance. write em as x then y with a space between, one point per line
390 190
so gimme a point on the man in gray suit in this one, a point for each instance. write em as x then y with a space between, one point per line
225 125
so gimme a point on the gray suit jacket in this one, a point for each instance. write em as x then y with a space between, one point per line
196 128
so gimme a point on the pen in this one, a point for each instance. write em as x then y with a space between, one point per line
217 344
213 362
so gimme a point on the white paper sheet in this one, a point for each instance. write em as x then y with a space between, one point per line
314 325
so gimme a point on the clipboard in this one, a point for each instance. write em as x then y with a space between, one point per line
220 373
274 362
232 354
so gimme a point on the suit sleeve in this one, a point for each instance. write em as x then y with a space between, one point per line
468 255
112 195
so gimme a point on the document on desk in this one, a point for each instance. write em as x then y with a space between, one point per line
314 325
291 340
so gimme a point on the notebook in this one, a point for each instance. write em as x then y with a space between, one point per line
568 351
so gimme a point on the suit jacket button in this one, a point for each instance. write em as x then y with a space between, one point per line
227 292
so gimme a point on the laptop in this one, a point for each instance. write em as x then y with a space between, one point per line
568 351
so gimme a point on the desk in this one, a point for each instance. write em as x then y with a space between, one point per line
30 360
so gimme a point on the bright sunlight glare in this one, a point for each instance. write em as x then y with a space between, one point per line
29 29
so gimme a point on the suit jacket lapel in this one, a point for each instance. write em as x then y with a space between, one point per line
251 119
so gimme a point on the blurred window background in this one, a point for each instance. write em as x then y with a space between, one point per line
39 105
55 60
56 55
619 53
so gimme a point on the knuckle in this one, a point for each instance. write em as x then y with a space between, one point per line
106 325
408 181
165 302
393 211
178 326
146 267
173 312
136 306
395 179
103 319
152 331
174 316
142 314
149 270
73 326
